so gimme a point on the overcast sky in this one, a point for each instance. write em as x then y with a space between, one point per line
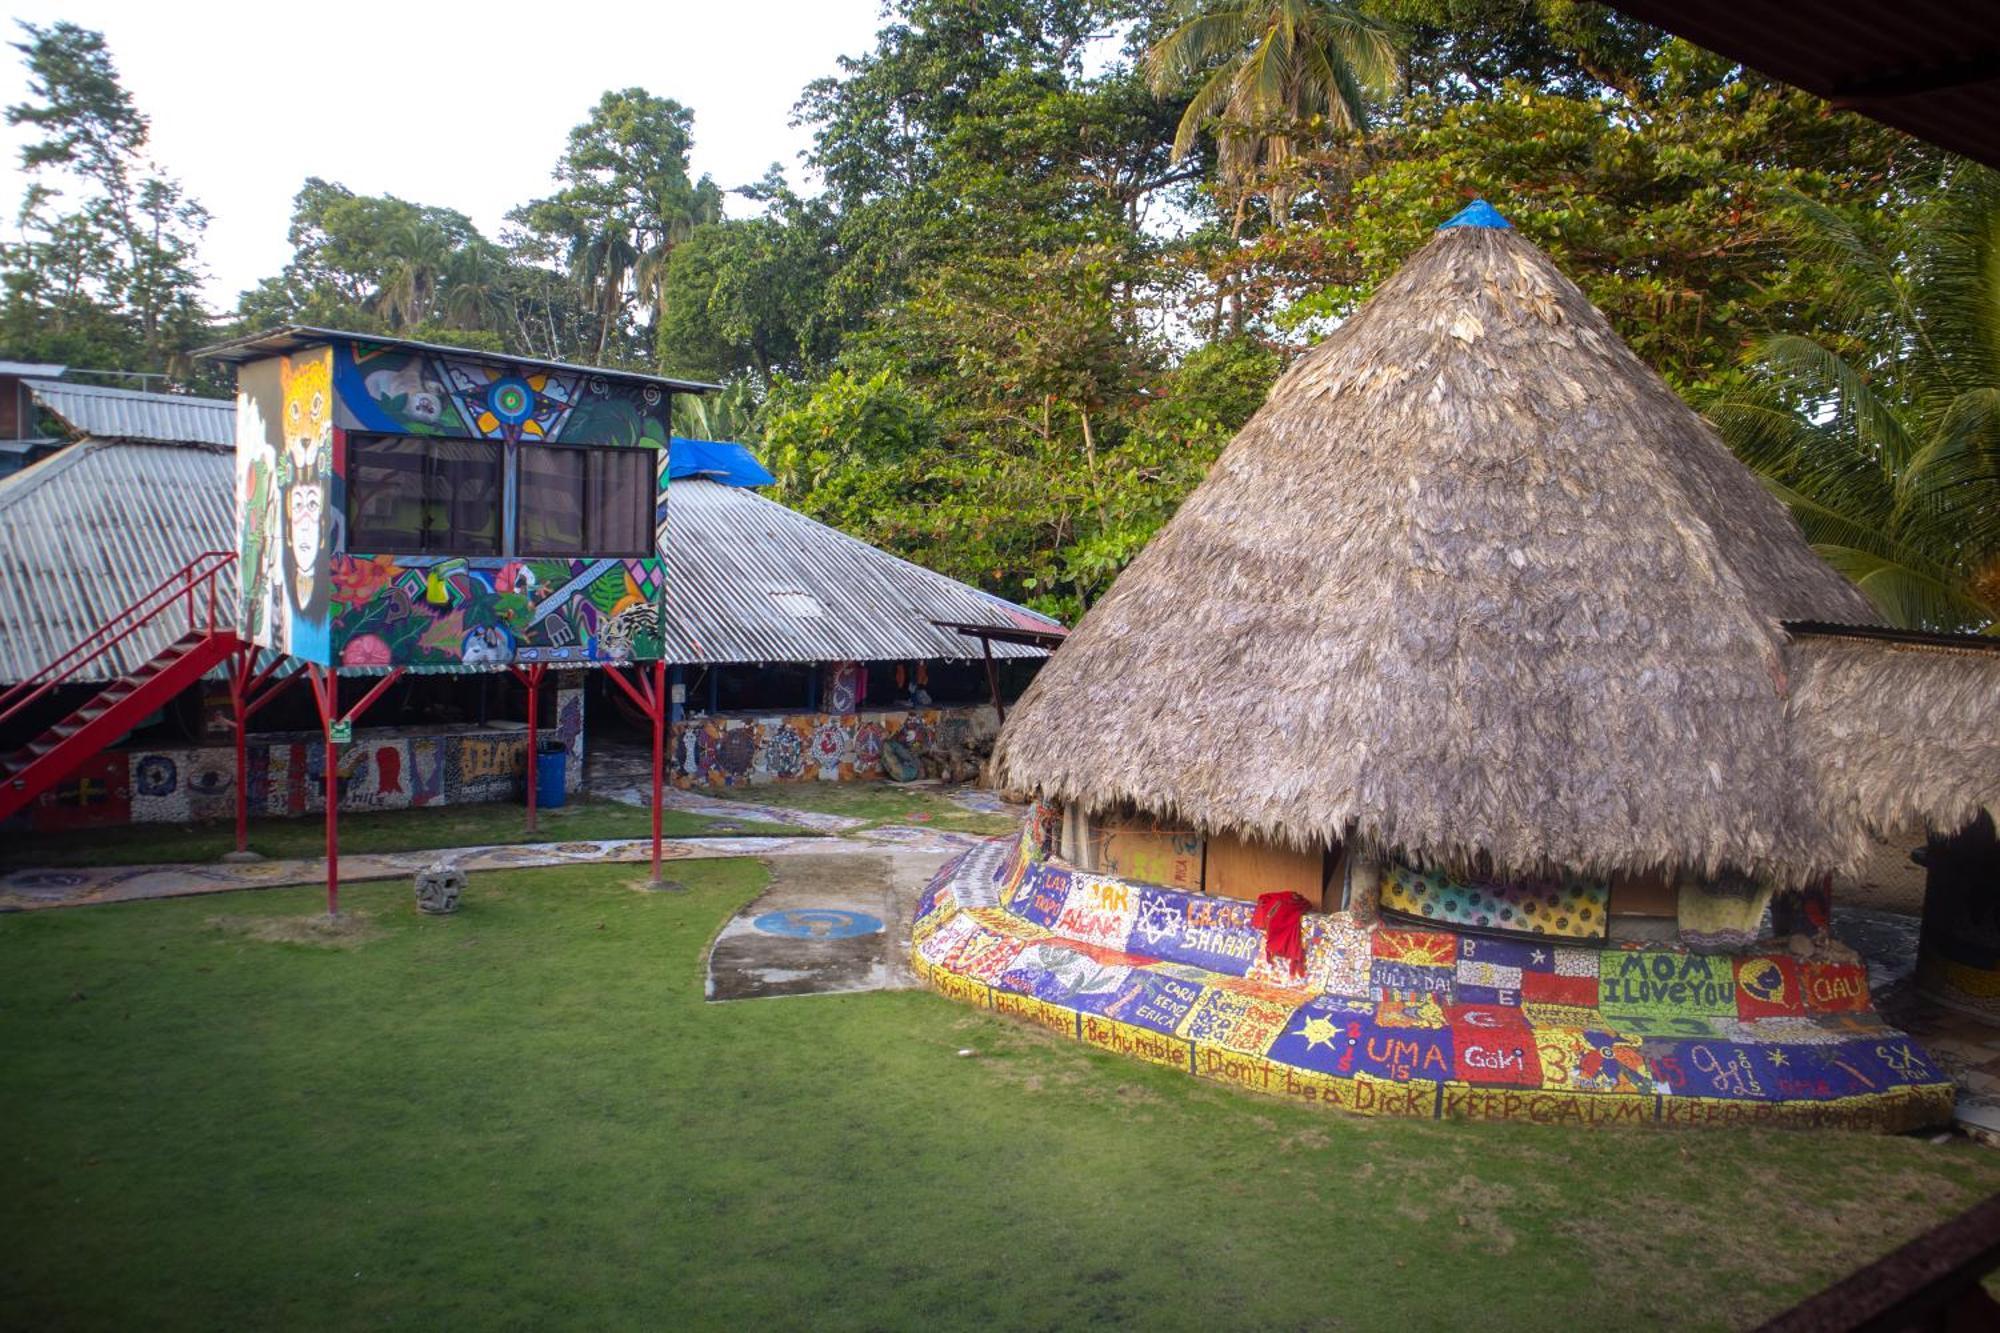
461 105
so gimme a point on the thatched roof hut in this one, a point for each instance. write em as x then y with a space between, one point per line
1897 733
1474 583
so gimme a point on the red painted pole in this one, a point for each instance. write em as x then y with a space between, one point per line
239 705
659 758
332 682
532 678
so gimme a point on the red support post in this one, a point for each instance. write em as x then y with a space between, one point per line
659 702
532 679
240 664
326 693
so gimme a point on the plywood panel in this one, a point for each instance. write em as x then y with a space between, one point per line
1651 894
1242 869
1150 855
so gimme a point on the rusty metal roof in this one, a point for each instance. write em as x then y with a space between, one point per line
749 580
1930 68
126 414
91 530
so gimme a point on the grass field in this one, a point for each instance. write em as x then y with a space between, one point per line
524 1115
875 802
372 831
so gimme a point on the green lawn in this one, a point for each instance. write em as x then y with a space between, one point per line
373 831
875 802
526 1116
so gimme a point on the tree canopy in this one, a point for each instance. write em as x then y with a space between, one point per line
1059 249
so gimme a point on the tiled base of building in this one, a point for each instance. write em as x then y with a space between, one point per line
1425 1023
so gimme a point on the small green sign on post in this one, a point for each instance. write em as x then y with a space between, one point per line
340 733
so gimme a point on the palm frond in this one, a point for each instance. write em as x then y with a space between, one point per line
1817 371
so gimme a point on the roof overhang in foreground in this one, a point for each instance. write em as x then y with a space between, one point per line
1930 68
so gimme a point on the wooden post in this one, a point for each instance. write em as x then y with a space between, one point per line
992 676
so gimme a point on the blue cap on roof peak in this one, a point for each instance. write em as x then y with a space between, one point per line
1478 213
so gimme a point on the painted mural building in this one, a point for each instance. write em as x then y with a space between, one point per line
411 506
483 529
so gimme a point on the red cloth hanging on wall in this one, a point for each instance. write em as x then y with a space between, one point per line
1279 915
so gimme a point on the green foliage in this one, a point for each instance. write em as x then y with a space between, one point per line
105 273
1883 431
626 201
1268 74
1668 217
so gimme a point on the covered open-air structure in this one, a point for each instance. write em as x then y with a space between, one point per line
1478 739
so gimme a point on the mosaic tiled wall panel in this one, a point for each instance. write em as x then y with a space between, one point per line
806 747
287 776
1569 907
1430 1023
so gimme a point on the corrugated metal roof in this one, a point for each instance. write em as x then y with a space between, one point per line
126 414
86 533
292 337
749 580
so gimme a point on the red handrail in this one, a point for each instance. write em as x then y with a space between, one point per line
177 586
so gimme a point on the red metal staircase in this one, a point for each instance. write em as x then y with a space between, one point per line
123 703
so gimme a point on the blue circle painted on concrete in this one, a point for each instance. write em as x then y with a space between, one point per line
818 923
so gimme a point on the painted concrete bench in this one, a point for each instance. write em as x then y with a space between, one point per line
1411 1022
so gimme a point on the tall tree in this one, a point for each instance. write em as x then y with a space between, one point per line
626 200
1885 436
1268 74
106 272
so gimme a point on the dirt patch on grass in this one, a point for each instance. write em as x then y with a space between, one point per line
349 930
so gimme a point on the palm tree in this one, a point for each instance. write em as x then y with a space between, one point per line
1270 72
1887 445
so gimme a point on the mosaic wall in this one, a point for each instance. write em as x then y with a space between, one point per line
1418 1022
306 593
1570 907
286 774
806 747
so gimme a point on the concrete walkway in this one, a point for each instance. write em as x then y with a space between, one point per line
826 924
31 889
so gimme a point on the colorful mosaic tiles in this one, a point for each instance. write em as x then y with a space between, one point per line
1430 1023
1570 907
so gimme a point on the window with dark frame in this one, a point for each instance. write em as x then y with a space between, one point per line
424 496
436 496
586 501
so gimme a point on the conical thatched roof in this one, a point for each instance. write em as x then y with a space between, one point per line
1473 581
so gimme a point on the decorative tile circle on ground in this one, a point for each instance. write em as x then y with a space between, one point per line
818 923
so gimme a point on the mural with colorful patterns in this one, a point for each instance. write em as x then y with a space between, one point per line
1430 1023
382 769
735 751
421 611
306 593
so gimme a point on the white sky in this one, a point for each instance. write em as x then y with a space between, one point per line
461 105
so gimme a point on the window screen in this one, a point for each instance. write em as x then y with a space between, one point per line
423 497
586 501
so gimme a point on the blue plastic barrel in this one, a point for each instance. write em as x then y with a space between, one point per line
551 766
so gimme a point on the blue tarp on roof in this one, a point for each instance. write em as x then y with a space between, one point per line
730 464
1478 213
